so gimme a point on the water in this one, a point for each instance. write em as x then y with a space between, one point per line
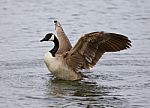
119 80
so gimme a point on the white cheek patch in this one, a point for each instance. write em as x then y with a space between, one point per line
52 38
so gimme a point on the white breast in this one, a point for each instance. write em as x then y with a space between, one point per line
51 62
58 68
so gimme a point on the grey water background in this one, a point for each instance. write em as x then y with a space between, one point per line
119 80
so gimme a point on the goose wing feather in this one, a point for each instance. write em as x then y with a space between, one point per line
64 42
90 48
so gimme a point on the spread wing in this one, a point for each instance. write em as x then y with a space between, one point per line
64 43
90 48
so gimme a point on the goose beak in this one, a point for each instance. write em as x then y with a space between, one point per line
42 40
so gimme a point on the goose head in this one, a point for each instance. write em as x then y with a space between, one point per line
53 38
48 37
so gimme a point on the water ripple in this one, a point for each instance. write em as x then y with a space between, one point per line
119 80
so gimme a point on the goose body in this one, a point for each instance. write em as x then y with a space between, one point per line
84 55
55 62
59 68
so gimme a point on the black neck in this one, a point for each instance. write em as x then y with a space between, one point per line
56 46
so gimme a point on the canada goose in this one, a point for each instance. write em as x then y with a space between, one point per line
84 55
64 42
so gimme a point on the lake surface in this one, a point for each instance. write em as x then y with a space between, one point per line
119 80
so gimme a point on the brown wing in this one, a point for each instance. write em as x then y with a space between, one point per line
64 42
89 49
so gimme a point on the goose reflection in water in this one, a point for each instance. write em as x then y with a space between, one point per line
81 92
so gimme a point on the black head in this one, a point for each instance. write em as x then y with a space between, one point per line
48 37
52 37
